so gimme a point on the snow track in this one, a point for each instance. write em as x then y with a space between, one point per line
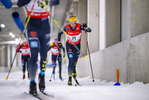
14 87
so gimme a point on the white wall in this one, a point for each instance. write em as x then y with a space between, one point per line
113 22
130 56
93 23
7 53
135 20
102 26
125 20
139 17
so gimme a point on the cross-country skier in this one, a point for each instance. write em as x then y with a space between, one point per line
25 50
56 55
38 30
73 31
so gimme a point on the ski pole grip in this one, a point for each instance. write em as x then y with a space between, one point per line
85 57
6 78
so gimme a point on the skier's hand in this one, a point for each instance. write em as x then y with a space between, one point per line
84 25
64 56
43 4
51 44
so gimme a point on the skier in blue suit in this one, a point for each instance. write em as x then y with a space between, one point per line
38 30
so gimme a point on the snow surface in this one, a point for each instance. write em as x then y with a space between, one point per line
14 88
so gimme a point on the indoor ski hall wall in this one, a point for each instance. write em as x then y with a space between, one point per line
130 53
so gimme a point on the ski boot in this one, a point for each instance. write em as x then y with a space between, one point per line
70 81
23 76
53 76
60 77
41 80
28 76
33 89
74 75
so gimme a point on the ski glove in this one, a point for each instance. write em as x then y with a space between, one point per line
51 44
84 25
64 56
44 4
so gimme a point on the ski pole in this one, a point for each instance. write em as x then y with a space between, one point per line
89 56
51 75
11 66
67 36
22 35
28 19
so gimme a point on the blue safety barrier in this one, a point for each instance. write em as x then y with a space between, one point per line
6 3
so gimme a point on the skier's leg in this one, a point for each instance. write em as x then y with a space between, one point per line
71 63
77 53
70 55
54 57
27 66
34 48
60 65
32 66
23 68
44 38
74 74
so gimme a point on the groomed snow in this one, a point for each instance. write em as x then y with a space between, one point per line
14 87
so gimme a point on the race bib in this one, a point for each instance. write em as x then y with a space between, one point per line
74 38
54 51
25 51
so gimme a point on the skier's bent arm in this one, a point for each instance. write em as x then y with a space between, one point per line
22 2
60 33
49 48
87 29
18 49
63 49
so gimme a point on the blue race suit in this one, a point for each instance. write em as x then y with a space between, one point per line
38 30
72 52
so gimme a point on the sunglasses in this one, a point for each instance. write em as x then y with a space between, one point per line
72 23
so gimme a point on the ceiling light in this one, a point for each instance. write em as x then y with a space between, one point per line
12 35
2 25
17 40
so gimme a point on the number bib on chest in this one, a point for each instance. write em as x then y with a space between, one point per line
25 51
55 51
74 38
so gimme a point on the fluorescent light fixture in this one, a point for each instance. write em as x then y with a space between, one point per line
12 35
17 40
2 25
